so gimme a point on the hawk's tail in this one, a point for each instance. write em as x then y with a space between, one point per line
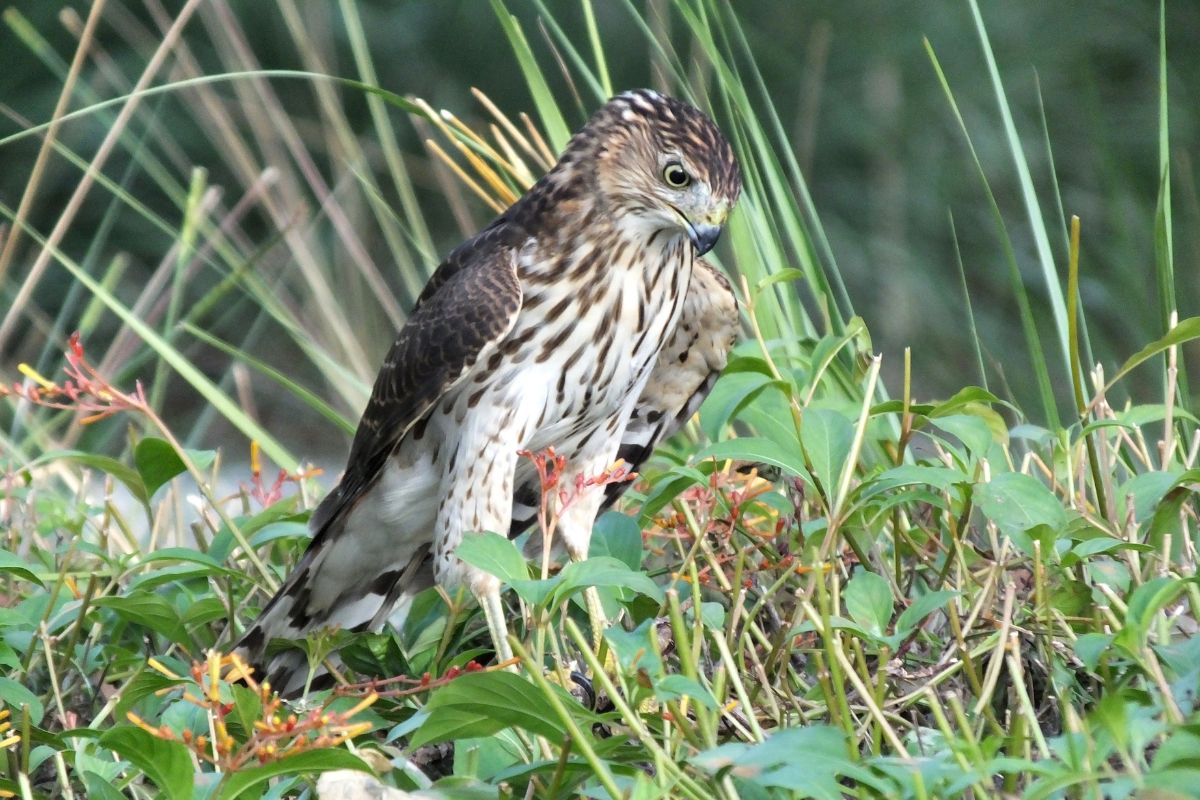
317 595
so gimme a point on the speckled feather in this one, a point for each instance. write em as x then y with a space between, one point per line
575 319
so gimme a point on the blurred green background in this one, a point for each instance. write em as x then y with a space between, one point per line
883 156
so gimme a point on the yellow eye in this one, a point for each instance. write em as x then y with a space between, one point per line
676 176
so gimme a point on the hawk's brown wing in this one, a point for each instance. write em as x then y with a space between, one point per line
474 306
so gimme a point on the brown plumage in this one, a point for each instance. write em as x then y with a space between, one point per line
580 318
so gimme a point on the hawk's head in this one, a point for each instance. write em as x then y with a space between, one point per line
660 164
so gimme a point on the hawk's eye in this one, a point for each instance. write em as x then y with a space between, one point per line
676 176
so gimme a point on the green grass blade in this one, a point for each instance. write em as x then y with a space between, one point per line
543 98
242 421
1037 223
1028 324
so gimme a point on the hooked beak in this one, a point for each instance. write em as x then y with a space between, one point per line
704 236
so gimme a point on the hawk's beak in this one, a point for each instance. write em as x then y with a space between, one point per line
704 236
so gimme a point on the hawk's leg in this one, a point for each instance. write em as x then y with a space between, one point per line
477 497
575 527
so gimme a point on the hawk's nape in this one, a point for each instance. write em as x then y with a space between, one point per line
580 318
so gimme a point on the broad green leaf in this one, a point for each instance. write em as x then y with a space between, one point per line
756 450
145 684
1140 415
1017 502
1149 598
157 462
922 607
150 611
166 763
604 571
635 649
482 703
14 695
672 687
808 761
1146 601
1089 647
827 436
99 788
962 398
12 565
310 762
486 756
969 429
495 555
127 475
941 478
619 536
188 555
733 392
533 590
1101 544
286 529
868 599
1147 491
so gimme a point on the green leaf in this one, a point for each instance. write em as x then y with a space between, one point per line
940 478
1017 502
1089 647
964 397
482 703
127 475
922 607
12 565
807 760
145 684
285 529
672 687
188 555
1101 544
1146 491
619 536
150 611
826 436
734 391
756 450
99 788
1146 601
668 487
868 599
969 429
166 763
310 762
14 695
1186 330
635 649
607 572
495 555
158 462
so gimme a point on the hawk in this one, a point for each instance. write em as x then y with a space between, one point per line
581 318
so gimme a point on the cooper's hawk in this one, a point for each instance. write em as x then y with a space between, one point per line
581 318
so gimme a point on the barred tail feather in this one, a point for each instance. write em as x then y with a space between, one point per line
341 582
